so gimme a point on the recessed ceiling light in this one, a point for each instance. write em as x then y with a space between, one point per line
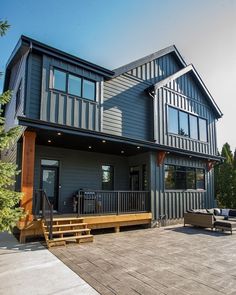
59 133
49 141
138 147
122 152
104 141
89 146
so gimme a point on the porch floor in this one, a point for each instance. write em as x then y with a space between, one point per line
170 260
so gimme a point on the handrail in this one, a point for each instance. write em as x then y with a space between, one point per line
47 211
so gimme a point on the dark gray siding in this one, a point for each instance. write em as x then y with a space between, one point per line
66 109
80 169
184 94
17 77
157 69
173 204
127 108
34 86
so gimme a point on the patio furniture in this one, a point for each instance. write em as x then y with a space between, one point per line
225 225
200 219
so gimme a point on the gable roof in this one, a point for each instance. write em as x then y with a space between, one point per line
190 69
128 67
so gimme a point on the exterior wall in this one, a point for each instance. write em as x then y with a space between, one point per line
79 170
173 203
34 82
17 77
185 95
127 108
67 109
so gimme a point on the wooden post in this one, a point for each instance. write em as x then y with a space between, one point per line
27 172
161 157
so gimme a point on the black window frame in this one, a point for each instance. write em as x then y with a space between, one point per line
184 169
67 84
189 127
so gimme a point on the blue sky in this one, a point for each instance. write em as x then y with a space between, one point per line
112 33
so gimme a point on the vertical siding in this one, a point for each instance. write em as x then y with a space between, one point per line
34 86
184 94
157 69
173 204
127 108
17 77
67 109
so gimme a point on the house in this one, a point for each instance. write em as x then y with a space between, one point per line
137 143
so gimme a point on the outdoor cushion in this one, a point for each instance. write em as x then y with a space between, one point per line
232 213
225 212
217 211
210 211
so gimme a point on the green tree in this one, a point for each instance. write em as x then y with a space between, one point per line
225 179
10 212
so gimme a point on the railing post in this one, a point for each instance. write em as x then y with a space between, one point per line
43 204
50 224
118 203
78 204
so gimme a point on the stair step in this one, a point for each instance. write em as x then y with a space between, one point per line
68 219
67 225
81 230
71 238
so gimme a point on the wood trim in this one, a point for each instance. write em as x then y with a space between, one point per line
161 157
27 172
210 165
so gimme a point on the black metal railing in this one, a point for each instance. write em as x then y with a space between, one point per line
112 202
44 209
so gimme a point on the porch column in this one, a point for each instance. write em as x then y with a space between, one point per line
27 172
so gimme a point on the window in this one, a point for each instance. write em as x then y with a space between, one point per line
50 163
88 89
74 85
59 81
18 96
185 124
173 121
193 124
184 178
202 129
107 177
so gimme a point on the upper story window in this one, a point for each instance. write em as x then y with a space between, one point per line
184 178
74 85
18 95
185 124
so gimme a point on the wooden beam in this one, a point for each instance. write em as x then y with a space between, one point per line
27 172
210 165
161 157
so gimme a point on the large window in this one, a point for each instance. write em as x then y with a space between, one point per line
185 124
107 177
18 96
184 178
74 85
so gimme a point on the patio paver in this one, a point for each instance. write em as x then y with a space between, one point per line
171 260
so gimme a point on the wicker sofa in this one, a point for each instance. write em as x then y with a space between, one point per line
204 218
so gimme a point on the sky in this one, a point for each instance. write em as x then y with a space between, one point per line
112 33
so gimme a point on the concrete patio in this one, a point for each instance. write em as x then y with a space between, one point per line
171 260
30 269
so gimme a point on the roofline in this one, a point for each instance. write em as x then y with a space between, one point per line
34 123
191 68
170 49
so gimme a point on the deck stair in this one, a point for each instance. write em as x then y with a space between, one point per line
66 230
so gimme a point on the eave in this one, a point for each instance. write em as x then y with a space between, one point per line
145 146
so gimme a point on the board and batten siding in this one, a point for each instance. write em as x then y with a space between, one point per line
80 170
185 95
34 82
66 109
127 108
173 203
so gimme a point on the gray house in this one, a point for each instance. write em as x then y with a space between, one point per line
139 139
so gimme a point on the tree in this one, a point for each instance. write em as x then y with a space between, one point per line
10 212
225 179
